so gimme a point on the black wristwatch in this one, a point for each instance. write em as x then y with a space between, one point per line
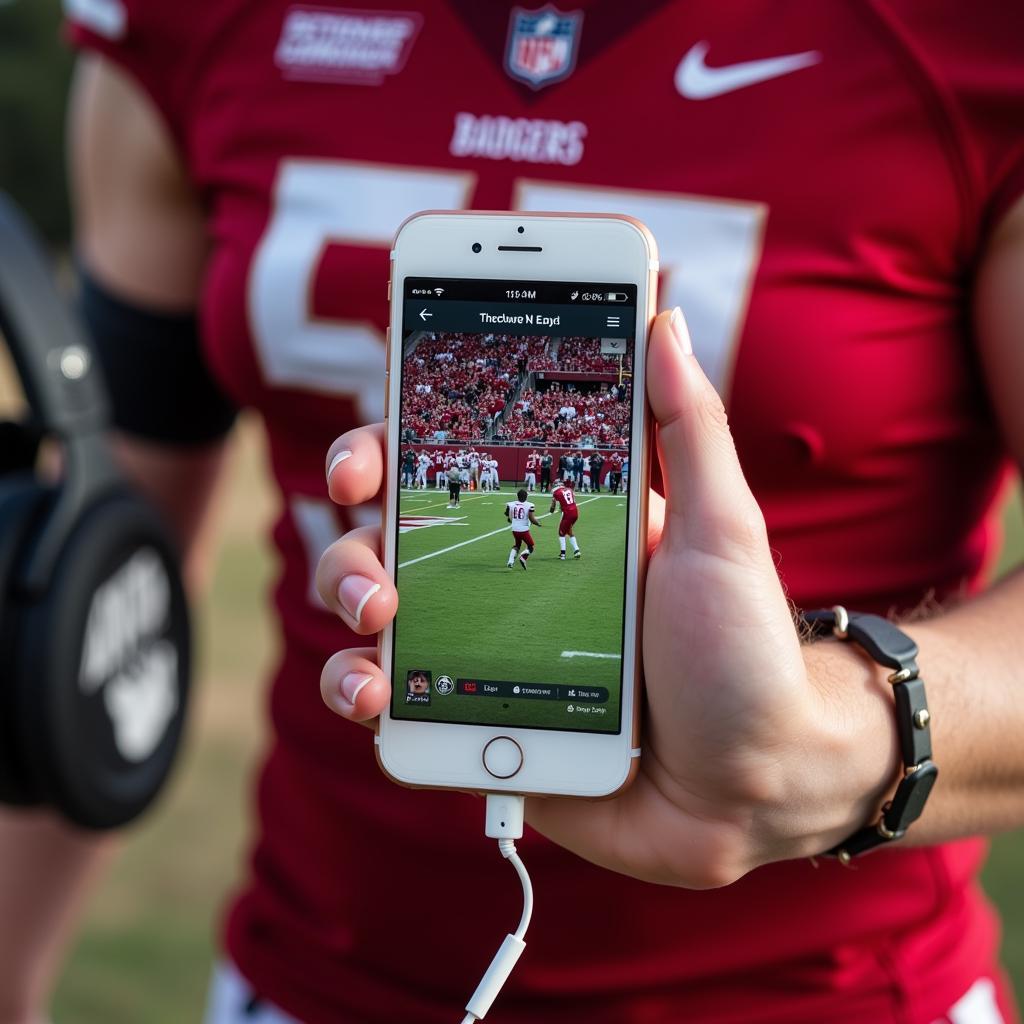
891 647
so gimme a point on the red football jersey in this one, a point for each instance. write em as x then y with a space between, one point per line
566 500
820 179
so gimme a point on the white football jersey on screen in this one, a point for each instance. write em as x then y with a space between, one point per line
519 513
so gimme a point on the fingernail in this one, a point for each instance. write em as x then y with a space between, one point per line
337 461
678 325
353 593
352 685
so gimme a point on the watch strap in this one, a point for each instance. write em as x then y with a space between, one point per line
891 647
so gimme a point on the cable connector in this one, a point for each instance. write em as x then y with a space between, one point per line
494 978
504 823
504 816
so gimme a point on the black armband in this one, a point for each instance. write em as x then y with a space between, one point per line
160 386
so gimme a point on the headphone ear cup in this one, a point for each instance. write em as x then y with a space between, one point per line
102 682
22 502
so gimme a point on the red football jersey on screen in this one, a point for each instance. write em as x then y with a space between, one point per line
820 179
566 500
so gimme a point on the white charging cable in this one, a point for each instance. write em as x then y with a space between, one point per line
504 823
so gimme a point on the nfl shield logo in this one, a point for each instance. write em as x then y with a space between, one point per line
542 45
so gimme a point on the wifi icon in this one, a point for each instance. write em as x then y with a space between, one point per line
439 291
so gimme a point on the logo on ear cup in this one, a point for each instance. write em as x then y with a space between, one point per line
142 699
126 654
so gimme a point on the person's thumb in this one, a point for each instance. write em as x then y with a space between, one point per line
709 505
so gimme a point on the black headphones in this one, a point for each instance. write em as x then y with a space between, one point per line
95 652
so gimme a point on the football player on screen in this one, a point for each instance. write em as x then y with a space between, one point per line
520 514
563 498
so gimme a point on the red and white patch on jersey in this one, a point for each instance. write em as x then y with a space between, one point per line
407 523
325 44
542 45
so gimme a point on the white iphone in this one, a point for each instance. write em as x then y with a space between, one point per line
516 501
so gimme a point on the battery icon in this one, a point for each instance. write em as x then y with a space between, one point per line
616 297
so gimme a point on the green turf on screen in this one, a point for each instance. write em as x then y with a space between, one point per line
463 613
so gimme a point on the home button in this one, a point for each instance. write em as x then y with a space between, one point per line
503 757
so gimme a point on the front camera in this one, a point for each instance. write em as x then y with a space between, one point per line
520 229
477 247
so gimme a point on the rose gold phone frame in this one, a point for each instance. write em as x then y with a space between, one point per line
641 455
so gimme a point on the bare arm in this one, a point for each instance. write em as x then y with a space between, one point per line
971 655
140 231
534 520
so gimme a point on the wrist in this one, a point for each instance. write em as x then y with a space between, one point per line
855 735
839 765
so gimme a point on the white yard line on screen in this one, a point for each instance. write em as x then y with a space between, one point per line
473 540
588 654
437 504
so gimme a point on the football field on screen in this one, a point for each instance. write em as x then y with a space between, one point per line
464 614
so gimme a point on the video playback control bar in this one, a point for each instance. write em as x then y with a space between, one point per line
531 691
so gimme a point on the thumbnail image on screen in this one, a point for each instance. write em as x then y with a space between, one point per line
512 478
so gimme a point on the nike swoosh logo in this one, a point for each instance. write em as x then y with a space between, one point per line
696 81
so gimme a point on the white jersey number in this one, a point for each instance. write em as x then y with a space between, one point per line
315 203
709 249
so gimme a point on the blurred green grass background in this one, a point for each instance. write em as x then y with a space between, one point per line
149 936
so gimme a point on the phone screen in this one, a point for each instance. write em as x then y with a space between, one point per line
513 469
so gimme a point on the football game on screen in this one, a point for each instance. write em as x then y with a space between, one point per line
512 476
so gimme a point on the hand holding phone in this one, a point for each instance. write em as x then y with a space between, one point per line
746 758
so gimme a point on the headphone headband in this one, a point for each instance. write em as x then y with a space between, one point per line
62 382
54 360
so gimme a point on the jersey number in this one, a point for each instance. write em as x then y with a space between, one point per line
709 250
315 203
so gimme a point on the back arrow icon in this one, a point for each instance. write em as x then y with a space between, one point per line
424 314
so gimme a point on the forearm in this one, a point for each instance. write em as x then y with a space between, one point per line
970 658
181 483
971 654
46 871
